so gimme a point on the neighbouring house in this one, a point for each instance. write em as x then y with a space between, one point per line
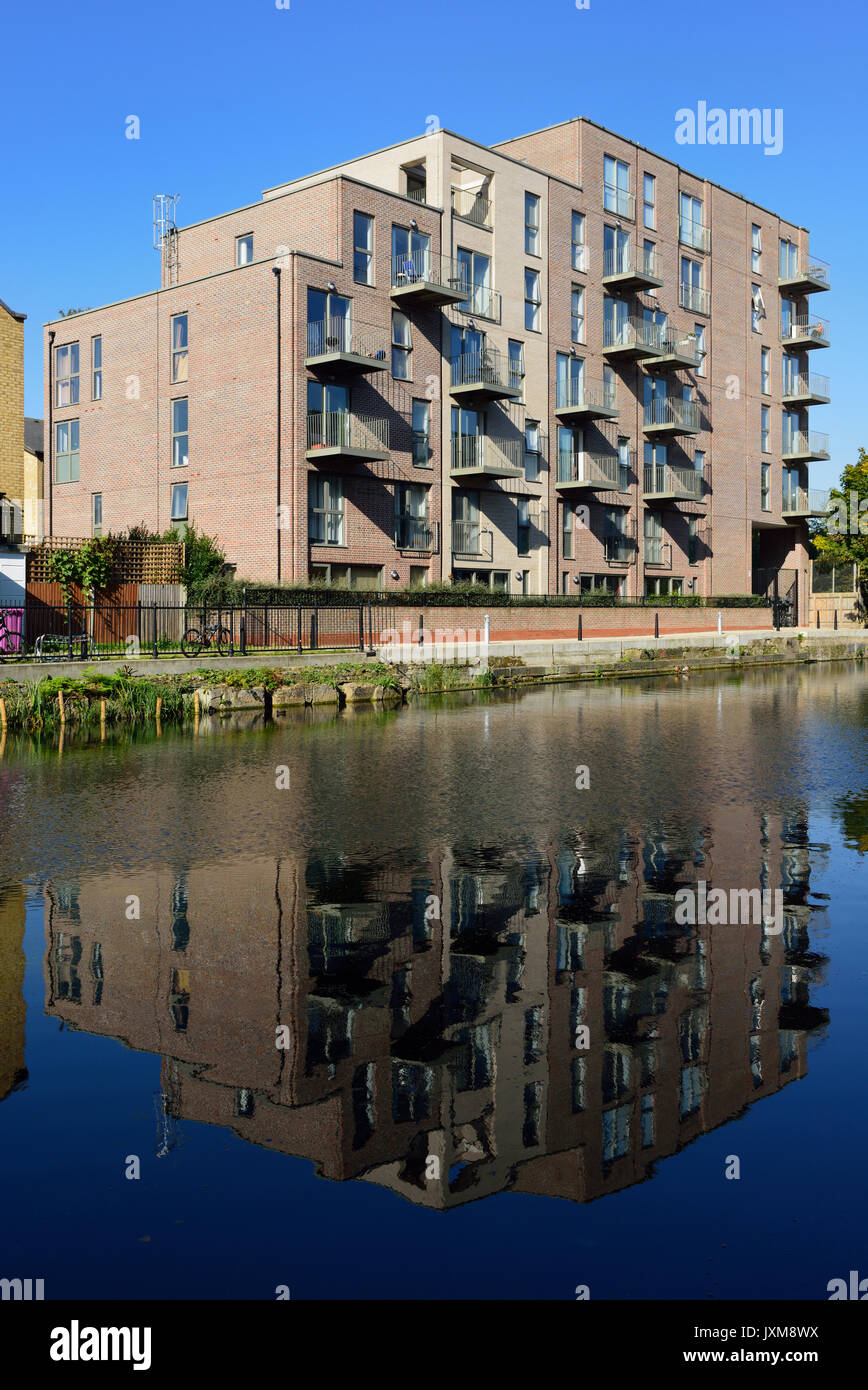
12 457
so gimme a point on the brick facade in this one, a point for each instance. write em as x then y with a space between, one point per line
709 541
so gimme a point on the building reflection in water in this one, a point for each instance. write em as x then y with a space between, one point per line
460 1023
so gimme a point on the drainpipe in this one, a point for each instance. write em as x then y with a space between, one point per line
275 270
50 450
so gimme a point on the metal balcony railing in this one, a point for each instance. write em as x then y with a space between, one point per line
694 298
341 429
807 384
657 551
417 195
622 260
618 549
694 234
338 335
803 328
675 480
670 411
426 267
416 533
619 201
466 538
634 332
581 395
597 470
472 206
486 451
486 367
807 268
480 300
805 501
806 442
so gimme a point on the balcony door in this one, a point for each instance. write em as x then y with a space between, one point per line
467 431
465 521
411 256
570 376
616 250
327 415
791 487
474 270
571 448
616 322
329 322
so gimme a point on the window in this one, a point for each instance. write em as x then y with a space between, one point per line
699 330
325 510
765 487
363 248
179 347
789 430
609 379
531 451
765 370
624 469
244 249
757 308
699 461
411 256
577 314
691 540
788 259
692 296
579 258
96 513
180 434
616 187
653 531
179 502
522 526
96 368
412 531
327 415
401 346
474 271
765 429
66 375
417 183
567 532
756 249
516 364
329 322
422 434
532 301
691 231
649 195
570 380
531 224
66 452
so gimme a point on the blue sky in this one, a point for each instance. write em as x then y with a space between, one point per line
236 97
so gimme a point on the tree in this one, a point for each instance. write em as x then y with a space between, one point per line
842 538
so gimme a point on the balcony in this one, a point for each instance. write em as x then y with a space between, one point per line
694 299
618 550
485 375
809 277
630 268
670 482
804 445
807 389
804 502
427 278
469 539
339 434
333 344
417 533
633 339
679 352
671 416
694 234
576 401
619 201
479 300
478 458
472 206
803 333
578 470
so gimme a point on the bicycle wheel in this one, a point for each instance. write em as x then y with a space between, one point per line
191 642
224 642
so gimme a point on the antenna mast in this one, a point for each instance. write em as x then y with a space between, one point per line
166 235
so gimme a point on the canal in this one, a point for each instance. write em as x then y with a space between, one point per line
408 1004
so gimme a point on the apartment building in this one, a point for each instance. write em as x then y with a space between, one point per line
554 364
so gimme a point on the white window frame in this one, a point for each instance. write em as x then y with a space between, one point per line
67 363
532 300
244 249
532 234
366 251
180 350
178 435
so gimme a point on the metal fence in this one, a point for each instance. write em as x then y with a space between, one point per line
41 631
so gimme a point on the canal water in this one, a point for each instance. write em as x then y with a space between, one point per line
414 1004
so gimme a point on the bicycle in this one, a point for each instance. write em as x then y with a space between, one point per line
197 639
